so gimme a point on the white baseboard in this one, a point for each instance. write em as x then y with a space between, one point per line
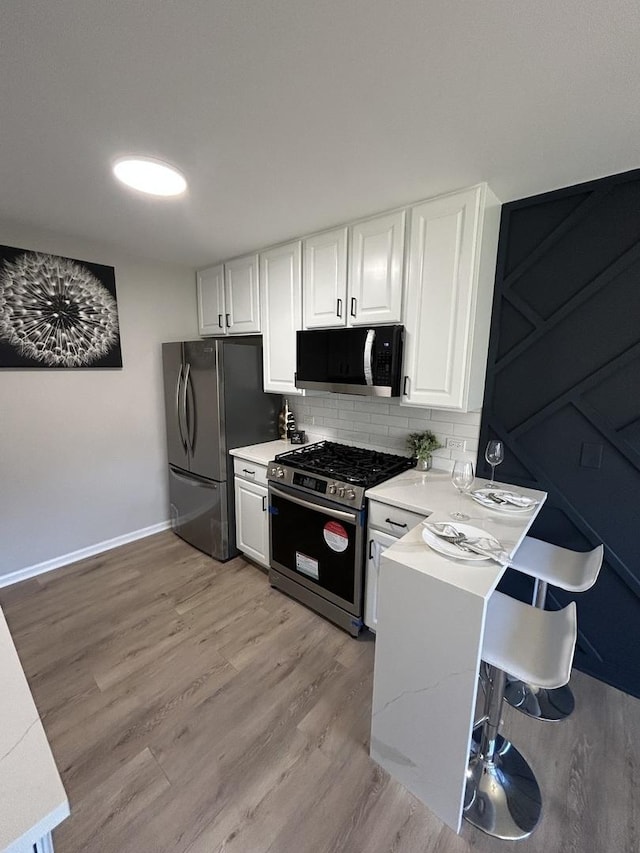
83 553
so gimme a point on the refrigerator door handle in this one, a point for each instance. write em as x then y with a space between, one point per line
194 479
183 440
185 413
189 421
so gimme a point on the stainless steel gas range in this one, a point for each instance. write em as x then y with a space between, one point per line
317 518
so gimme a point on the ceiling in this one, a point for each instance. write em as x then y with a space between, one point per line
289 116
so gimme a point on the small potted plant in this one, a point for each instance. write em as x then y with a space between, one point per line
422 445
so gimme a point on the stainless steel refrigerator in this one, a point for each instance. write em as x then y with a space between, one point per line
214 402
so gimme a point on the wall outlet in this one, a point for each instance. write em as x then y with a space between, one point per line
456 444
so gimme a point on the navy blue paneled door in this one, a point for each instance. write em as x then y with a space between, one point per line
563 392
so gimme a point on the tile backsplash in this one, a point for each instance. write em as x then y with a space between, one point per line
384 424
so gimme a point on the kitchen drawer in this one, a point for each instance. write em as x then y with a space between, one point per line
393 520
250 471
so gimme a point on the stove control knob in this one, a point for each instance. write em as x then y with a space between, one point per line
332 489
279 473
341 492
350 494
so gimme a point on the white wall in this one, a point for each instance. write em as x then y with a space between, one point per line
384 424
83 452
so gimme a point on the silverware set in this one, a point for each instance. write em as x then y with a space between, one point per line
507 499
448 533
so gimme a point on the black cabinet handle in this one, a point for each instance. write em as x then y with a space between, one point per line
370 547
264 503
247 471
353 306
227 320
220 320
339 307
404 386
395 523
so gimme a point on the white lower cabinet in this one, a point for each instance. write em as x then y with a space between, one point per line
386 525
252 519
44 844
377 543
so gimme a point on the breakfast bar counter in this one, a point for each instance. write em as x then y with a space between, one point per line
431 615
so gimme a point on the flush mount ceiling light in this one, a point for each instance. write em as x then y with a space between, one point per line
149 176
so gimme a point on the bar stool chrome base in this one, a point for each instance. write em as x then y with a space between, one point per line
539 702
502 796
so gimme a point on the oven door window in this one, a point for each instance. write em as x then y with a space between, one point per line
320 549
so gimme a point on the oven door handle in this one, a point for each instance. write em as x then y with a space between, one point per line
334 513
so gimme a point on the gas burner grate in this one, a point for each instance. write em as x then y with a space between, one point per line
355 465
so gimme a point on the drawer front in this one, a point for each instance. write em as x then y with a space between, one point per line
393 520
250 471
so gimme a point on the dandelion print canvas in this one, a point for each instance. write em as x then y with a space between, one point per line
57 312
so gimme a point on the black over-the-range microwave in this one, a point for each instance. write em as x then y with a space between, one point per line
360 360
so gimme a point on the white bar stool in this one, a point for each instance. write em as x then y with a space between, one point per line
572 571
502 797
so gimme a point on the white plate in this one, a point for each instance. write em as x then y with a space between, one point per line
450 550
479 496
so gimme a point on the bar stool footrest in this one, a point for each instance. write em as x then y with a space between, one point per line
539 702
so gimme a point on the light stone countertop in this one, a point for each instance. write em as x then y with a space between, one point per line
412 490
433 494
262 454
32 799
417 491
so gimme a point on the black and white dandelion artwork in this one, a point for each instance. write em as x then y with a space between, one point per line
56 312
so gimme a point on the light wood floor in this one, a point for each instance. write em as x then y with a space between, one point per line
190 707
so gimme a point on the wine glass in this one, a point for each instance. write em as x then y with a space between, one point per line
462 478
494 454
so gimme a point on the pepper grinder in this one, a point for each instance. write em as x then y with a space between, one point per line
286 421
290 422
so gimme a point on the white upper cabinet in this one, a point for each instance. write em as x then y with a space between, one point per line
229 299
451 268
376 257
325 279
241 295
365 291
281 302
210 297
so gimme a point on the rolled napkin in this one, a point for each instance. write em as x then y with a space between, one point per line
487 546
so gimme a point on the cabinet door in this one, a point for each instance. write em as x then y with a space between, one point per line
448 304
281 304
242 298
376 257
325 279
210 295
377 544
252 526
